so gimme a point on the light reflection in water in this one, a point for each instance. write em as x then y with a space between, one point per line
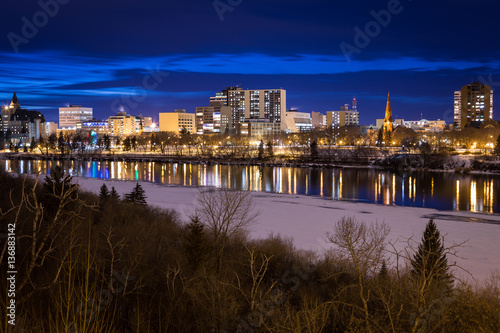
321 184
473 196
340 185
393 188
478 193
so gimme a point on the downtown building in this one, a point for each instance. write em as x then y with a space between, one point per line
177 121
254 108
344 117
298 122
318 120
73 114
473 103
215 118
21 125
122 124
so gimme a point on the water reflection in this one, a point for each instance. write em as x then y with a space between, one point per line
476 193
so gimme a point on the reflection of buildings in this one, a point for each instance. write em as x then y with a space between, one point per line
475 197
474 102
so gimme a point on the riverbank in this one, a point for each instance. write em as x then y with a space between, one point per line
307 219
486 164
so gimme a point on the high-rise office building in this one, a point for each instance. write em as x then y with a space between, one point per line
70 116
474 102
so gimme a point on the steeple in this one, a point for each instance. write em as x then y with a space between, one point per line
14 104
388 115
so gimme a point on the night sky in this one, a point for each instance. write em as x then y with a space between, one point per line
151 56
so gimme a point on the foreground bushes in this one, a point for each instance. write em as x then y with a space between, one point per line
91 265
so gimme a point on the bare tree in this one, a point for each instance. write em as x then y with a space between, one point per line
225 213
363 246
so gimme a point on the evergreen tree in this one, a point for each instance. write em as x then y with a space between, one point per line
56 185
314 150
60 143
137 196
106 140
32 144
430 263
133 142
380 136
196 246
497 146
383 274
103 193
184 131
261 150
270 151
113 195
126 144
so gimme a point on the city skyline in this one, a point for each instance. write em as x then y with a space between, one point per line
158 56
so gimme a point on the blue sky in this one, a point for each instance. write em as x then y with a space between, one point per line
155 56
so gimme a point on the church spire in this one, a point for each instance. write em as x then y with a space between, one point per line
14 104
388 115
388 111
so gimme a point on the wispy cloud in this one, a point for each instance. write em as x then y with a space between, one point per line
58 69
55 75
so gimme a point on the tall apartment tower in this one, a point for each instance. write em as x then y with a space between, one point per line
474 102
247 105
